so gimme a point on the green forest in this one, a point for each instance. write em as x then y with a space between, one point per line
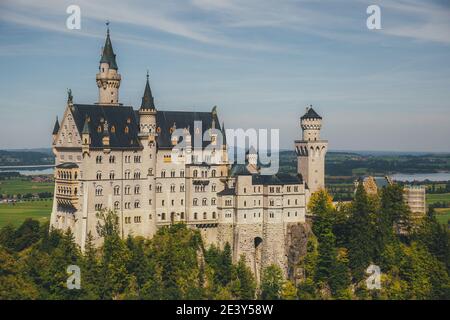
413 256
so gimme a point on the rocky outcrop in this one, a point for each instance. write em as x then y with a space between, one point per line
297 236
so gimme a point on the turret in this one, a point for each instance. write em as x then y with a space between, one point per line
311 151
108 78
55 130
147 112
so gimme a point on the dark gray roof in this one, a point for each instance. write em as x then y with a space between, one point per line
165 120
67 165
277 179
108 55
239 170
119 117
311 114
147 99
227 192
56 127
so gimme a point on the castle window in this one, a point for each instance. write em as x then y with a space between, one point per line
213 173
99 175
127 189
116 205
116 190
162 202
137 204
98 159
245 216
163 216
127 174
195 202
182 215
163 174
172 174
99 191
204 202
137 219
195 173
172 188
99 129
112 159
127 220
172 202
137 175
111 175
214 215
182 173
213 201
158 188
182 202
136 190
272 215
205 216
245 190
113 129
98 206
127 130
245 203
150 216
295 189
182 188
195 215
213 187
295 201
289 202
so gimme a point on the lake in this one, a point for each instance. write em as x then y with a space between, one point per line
28 171
404 177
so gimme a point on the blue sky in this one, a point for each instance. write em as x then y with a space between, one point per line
260 61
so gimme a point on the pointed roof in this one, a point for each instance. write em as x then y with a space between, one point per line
224 134
310 114
56 127
108 55
147 99
86 127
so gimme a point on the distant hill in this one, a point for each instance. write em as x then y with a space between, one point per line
26 157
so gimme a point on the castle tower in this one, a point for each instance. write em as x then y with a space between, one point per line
108 78
147 135
311 151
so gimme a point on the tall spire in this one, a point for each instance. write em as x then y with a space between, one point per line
56 127
147 99
108 55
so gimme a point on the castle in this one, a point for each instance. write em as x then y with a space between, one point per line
110 156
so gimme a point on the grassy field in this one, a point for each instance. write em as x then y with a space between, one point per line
443 215
440 197
16 213
16 186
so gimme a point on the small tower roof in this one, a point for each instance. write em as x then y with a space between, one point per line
147 99
224 134
56 127
311 114
108 55
86 127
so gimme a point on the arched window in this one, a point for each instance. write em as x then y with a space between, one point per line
182 187
172 188
213 201
136 189
195 215
195 202
213 173
213 187
98 191
98 159
214 215
137 175
99 175
158 188
204 202
163 216
195 173
127 174
112 175
205 215
116 205
182 173
137 204
127 189
116 190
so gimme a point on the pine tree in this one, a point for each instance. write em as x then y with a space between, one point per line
272 283
361 239
91 269
243 285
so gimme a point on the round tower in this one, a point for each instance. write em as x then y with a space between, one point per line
108 78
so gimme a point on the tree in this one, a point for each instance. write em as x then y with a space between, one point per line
91 269
360 234
27 234
272 283
243 285
113 275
